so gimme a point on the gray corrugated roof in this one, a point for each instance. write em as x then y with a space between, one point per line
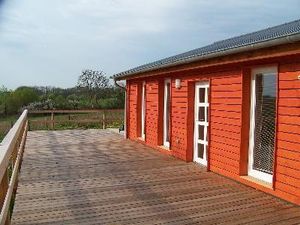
272 33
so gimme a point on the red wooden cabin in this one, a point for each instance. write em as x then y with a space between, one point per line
233 107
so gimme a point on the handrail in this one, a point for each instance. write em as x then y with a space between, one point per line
11 152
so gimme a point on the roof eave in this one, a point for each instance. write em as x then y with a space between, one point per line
265 44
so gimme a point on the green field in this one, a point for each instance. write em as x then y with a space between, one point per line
5 124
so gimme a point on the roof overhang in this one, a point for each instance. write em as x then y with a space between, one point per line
261 45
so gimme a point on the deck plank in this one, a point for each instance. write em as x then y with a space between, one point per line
97 177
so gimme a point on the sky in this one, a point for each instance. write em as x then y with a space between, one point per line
49 42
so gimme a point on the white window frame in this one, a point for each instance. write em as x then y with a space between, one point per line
165 142
143 111
198 85
252 172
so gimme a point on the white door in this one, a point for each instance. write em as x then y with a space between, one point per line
167 101
201 122
262 123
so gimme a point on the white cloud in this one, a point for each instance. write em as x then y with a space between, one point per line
50 42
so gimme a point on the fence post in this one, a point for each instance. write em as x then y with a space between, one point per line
52 120
104 120
46 123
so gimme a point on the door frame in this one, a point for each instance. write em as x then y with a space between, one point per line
252 172
198 85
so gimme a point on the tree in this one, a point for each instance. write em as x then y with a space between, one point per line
19 98
25 95
93 83
4 94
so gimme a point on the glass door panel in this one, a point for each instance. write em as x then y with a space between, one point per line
263 124
167 103
201 122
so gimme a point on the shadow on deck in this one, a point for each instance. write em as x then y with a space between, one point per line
97 177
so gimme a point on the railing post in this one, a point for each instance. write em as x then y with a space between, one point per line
3 188
52 120
46 123
103 120
3 192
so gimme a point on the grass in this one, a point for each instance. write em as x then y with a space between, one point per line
6 122
11 118
4 128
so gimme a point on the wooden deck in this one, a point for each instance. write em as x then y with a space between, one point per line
97 177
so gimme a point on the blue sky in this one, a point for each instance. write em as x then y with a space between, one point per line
49 42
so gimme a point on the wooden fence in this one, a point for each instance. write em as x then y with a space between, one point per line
56 119
11 153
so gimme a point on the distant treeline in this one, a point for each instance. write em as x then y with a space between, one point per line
93 91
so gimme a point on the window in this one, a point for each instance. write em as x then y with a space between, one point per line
143 110
167 104
262 123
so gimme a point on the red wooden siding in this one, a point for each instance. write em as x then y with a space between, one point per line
179 104
152 112
226 100
132 95
288 145
229 122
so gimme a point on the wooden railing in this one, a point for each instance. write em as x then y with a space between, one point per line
11 153
48 119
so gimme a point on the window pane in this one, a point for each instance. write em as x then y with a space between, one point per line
207 94
201 95
201 132
168 87
207 152
207 134
200 150
201 113
265 113
207 115
143 112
